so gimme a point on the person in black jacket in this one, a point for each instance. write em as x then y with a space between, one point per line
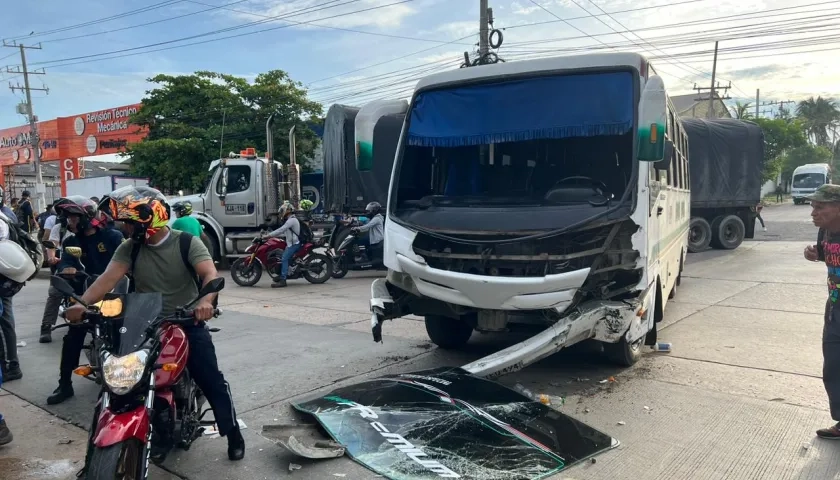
98 244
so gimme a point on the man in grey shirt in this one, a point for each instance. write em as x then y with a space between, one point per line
376 227
291 228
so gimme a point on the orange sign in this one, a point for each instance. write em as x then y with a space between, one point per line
88 134
16 143
99 133
71 169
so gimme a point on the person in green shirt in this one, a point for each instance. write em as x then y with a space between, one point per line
187 223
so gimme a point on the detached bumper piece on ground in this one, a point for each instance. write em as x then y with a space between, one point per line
446 423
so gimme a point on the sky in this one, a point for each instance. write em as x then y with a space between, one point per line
353 51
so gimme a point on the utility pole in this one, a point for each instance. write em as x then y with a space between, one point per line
711 113
34 142
756 103
483 33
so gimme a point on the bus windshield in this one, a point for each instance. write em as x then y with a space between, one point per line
564 140
808 180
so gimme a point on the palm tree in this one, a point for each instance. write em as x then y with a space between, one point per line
821 117
742 110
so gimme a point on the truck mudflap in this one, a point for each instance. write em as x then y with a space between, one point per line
606 321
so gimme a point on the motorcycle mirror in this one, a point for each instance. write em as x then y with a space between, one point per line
213 286
74 251
64 288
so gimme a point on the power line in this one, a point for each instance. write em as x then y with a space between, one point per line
99 20
130 27
322 6
403 37
240 35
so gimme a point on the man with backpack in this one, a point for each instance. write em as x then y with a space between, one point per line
174 264
291 227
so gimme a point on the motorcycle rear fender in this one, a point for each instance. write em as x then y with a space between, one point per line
114 428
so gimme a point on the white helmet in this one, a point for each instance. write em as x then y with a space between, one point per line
16 267
285 209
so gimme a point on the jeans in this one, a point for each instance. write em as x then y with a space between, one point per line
204 369
8 338
831 358
288 253
761 220
71 350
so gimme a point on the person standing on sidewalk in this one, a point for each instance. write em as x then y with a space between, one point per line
780 194
825 213
28 219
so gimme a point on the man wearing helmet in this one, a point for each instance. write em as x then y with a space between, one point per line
157 249
376 227
291 228
98 245
187 223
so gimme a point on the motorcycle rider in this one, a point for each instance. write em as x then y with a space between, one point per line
98 244
156 248
186 223
376 227
290 227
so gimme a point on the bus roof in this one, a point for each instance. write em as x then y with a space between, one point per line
570 62
812 168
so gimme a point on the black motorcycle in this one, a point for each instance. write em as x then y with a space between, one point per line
351 254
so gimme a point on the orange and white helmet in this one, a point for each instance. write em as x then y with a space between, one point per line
143 207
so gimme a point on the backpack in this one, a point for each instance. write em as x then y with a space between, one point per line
185 241
305 234
31 247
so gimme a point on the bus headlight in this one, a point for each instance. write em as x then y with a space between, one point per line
121 374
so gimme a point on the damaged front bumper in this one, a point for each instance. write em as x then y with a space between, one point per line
605 321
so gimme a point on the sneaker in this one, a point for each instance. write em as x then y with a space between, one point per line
765 228
830 433
236 445
279 284
12 373
46 335
60 394
6 436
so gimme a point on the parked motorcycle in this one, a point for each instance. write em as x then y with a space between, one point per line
350 254
149 398
266 253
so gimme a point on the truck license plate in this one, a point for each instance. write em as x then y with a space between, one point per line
235 209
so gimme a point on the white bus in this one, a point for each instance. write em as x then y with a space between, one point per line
548 195
807 178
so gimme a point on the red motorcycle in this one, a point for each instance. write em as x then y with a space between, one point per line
149 402
266 253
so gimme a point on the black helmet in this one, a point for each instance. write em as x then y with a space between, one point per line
84 207
182 209
373 208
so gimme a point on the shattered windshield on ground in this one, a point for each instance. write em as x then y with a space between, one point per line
446 423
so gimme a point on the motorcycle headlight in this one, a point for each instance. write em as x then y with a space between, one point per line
121 374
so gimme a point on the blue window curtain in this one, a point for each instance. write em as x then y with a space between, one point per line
565 106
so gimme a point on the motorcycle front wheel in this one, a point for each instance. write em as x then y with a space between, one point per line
122 461
246 275
318 268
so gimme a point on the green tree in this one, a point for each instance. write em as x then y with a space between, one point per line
193 118
742 111
821 118
779 135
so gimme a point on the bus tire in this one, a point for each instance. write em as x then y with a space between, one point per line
448 333
623 353
730 232
699 235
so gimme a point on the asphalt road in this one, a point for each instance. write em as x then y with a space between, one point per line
786 222
736 399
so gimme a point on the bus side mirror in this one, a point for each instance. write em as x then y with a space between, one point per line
668 155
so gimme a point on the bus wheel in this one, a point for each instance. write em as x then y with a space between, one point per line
699 235
624 353
731 232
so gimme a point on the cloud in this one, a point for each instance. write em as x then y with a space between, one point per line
316 10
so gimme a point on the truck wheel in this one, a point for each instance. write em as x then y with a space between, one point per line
714 243
699 235
448 333
624 353
730 232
